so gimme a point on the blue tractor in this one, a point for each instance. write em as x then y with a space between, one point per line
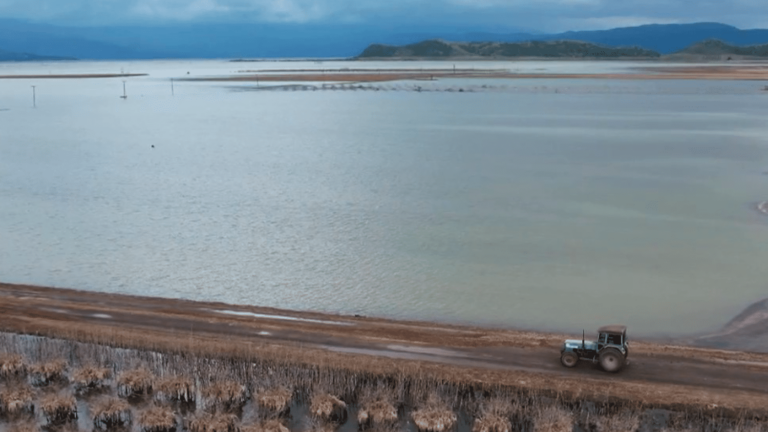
610 349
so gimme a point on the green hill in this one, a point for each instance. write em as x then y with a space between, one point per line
437 49
715 47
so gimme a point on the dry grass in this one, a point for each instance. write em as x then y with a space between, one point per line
328 408
157 419
377 412
225 395
17 399
110 412
553 419
434 416
214 423
626 421
175 388
12 365
43 374
494 416
90 377
266 426
275 400
135 382
59 408
24 427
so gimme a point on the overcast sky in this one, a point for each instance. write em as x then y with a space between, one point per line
495 15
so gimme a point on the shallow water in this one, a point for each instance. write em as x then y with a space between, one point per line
517 205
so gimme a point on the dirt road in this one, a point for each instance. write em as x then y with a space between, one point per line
41 310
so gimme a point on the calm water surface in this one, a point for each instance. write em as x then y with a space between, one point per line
552 204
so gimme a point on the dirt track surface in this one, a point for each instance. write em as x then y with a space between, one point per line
36 310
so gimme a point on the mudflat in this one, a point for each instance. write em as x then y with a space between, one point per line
741 72
659 374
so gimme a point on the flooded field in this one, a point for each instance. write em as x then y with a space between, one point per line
526 203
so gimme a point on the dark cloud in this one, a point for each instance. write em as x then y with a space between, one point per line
544 15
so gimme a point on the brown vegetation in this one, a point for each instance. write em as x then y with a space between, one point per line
275 400
24 427
135 382
12 365
494 416
110 412
46 373
225 395
626 421
553 419
90 377
175 388
328 407
17 399
157 419
266 426
377 406
208 422
434 416
59 408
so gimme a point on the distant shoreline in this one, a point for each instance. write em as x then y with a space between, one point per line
72 76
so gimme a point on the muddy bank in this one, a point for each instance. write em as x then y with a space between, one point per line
747 331
714 72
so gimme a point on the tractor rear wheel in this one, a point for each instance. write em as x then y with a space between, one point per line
569 359
611 360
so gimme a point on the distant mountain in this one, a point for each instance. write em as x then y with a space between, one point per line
14 56
666 38
200 40
562 49
714 47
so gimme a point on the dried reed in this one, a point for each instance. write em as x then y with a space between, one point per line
110 412
24 427
266 426
90 377
214 423
135 382
157 419
12 365
328 407
17 399
275 400
377 412
59 408
553 419
494 416
43 374
624 421
226 395
434 416
175 389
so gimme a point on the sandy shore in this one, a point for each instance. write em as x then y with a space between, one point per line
713 72
659 373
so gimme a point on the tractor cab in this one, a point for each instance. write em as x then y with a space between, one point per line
610 349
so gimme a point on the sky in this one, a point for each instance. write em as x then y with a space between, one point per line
491 15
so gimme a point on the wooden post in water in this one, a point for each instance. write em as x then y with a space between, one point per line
172 93
34 97
124 96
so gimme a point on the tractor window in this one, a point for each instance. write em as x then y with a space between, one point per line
614 339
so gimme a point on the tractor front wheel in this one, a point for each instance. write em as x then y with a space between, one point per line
611 360
569 359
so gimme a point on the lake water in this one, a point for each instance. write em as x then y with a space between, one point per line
548 204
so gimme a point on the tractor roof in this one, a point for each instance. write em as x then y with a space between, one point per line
615 329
